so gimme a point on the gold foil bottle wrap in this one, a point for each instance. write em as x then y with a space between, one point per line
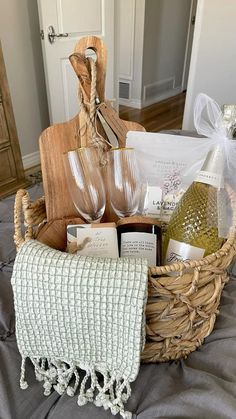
229 120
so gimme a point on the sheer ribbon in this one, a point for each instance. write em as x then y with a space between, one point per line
208 121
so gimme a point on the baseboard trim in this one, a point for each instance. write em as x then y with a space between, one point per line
31 160
132 103
163 96
138 104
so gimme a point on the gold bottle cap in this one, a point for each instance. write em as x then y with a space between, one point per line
229 120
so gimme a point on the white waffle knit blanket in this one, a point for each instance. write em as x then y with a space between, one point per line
81 322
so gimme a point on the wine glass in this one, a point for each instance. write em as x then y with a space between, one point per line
124 183
85 182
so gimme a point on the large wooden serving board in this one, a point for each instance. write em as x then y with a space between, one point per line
60 138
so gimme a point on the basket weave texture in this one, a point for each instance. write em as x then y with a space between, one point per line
181 308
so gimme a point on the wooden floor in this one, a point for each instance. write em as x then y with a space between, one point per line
164 115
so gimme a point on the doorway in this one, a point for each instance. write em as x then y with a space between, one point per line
158 43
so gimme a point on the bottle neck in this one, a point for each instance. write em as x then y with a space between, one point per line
211 172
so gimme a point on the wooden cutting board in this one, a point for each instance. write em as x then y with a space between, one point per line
60 138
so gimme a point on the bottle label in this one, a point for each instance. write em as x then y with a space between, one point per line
137 244
209 178
182 252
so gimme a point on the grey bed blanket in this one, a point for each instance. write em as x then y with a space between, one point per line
202 386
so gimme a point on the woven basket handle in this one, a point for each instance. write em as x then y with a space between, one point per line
21 203
34 215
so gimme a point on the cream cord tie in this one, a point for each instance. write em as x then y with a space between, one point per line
89 112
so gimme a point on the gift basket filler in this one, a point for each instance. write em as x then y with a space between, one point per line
185 199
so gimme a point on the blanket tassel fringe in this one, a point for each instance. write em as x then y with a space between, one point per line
58 375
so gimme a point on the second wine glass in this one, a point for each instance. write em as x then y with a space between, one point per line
124 181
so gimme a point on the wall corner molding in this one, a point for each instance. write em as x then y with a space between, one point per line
31 160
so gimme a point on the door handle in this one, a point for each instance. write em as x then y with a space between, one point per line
52 35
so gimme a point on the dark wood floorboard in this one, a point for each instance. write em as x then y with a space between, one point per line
164 115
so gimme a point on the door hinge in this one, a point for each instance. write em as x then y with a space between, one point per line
42 34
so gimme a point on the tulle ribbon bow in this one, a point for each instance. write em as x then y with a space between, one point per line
209 122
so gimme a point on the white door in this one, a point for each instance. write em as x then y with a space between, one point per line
189 43
73 19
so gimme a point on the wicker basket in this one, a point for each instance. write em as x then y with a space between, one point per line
181 309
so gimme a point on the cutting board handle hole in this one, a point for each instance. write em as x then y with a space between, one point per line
90 52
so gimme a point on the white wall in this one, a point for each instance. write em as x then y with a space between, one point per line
152 44
19 33
130 32
136 91
165 38
213 62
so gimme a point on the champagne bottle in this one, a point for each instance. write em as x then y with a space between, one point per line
193 229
